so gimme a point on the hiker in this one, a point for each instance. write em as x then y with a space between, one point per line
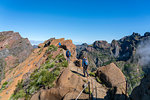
68 54
85 66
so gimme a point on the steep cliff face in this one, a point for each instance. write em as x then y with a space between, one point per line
13 50
142 92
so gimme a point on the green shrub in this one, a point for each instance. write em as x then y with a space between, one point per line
39 81
60 57
42 78
19 94
84 80
32 90
50 56
64 63
48 78
98 80
57 68
3 86
92 74
56 72
87 90
52 48
20 84
40 51
48 65
59 65
6 46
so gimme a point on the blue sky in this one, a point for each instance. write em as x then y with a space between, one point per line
79 20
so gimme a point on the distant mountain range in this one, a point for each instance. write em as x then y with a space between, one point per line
124 53
34 42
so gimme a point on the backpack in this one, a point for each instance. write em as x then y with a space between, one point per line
86 62
68 54
59 44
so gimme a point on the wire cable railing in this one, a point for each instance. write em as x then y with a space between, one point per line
126 89
85 86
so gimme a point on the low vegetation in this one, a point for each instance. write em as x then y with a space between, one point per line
92 74
4 86
133 74
87 91
43 77
98 80
51 48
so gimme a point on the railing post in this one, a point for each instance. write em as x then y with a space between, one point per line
89 91
96 92
126 90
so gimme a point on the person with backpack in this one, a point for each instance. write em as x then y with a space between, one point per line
68 55
85 66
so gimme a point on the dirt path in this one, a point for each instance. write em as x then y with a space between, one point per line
97 89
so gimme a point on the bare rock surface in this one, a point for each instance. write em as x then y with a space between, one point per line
67 83
13 50
112 76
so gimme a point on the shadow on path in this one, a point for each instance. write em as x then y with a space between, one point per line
78 73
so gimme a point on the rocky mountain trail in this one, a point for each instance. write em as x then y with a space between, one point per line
36 59
45 75
68 85
99 88
72 78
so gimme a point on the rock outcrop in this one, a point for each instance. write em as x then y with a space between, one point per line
65 44
68 87
101 44
112 77
13 50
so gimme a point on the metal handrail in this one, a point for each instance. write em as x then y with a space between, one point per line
85 86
